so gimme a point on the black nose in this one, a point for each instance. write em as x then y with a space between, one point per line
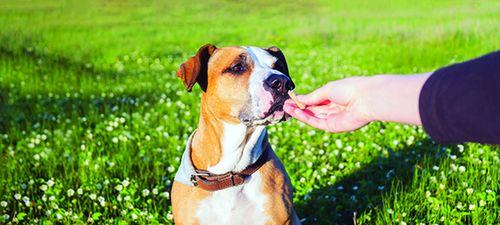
279 83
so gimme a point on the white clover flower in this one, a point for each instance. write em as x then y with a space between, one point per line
403 223
155 191
102 201
83 147
58 216
70 192
324 170
17 196
6 216
79 191
109 128
170 216
453 167
441 186
36 157
472 207
119 187
119 198
461 169
43 187
436 168
165 194
147 137
50 182
134 216
145 192
341 166
482 203
92 196
171 169
126 198
125 183
428 194
52 198
114 140
3 204
470 191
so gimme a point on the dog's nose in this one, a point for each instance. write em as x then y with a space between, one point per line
279 83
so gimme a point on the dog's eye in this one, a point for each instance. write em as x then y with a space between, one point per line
237 68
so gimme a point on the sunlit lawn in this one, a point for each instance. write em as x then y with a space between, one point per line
93 120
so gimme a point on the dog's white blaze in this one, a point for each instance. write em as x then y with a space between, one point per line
242 204
262 68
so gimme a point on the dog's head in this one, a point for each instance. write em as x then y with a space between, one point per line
240 84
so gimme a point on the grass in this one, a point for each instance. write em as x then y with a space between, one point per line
93 120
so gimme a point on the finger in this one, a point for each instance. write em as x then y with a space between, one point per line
289 106
326 109
307 117
343 122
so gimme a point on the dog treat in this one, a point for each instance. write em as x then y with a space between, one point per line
293 96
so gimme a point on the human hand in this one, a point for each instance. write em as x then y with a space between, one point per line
351 103
336 107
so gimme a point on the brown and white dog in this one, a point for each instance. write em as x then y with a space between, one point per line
229 174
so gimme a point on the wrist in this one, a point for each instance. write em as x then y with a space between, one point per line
393 98
372 97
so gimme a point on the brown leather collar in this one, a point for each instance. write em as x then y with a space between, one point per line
215 182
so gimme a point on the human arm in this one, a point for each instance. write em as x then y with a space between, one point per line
458 103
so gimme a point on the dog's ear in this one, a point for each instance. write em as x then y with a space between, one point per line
194 70
280 64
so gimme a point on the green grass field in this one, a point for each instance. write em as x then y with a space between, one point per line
93 120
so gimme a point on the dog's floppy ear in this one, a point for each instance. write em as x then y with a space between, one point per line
281 62
194 70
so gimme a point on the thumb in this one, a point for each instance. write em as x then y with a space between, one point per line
316 97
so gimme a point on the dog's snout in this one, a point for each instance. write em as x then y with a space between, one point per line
279 83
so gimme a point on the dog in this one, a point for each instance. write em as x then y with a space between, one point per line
229 173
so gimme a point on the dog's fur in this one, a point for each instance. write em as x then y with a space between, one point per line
235 108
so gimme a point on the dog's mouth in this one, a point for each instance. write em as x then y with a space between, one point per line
273 115
276 106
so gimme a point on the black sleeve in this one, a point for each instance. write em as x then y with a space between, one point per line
461 102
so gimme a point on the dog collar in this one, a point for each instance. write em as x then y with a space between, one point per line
189 175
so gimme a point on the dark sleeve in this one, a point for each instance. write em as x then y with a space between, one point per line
461 102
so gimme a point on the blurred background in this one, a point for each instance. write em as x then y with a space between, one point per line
93 120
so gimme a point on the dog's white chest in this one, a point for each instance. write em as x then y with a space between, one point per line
242 204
